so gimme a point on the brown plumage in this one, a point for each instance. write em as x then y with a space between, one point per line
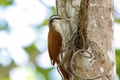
54 45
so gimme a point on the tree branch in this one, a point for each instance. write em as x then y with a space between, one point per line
88 39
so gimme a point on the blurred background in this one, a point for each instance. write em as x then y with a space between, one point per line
23 39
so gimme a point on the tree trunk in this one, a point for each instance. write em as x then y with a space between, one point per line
88 45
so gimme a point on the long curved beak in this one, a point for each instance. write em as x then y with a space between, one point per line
66 19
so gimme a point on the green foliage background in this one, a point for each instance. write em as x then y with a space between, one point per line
31 50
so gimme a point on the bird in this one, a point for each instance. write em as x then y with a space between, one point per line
55 39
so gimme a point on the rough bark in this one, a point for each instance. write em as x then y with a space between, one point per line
93 56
